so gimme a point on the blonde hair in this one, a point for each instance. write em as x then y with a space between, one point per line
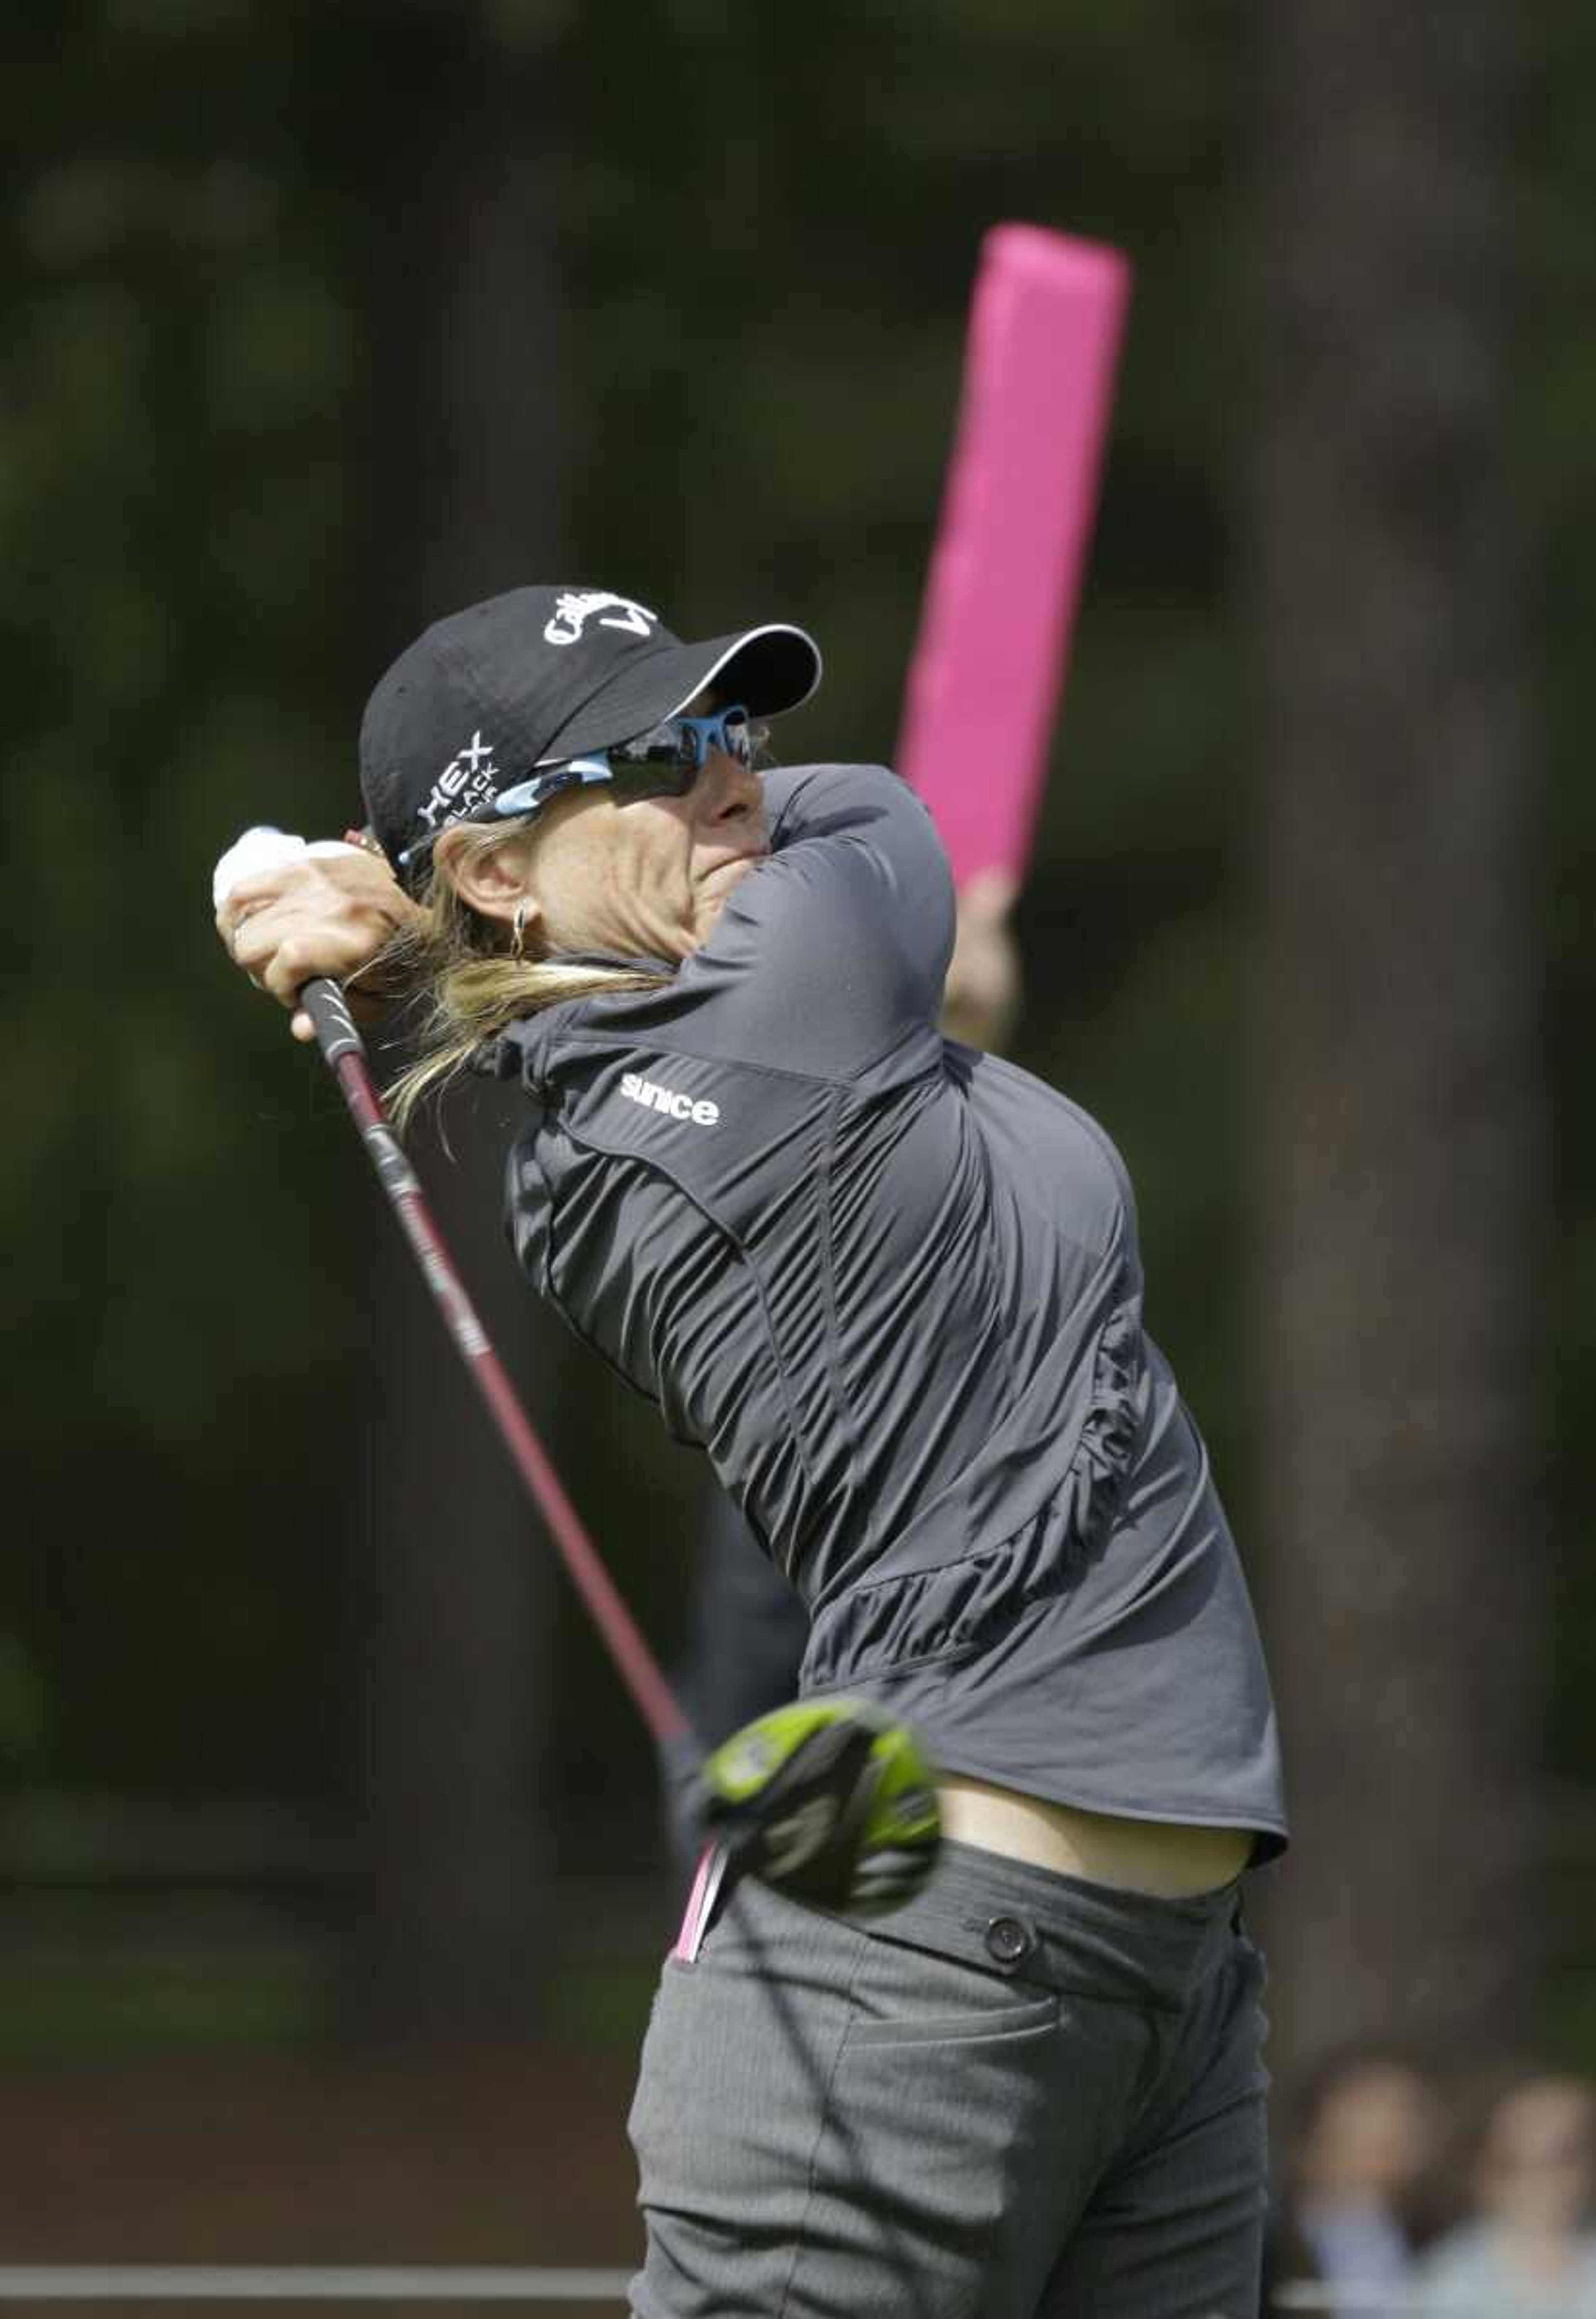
474 984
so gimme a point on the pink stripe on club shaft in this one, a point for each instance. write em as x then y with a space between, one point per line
635 1664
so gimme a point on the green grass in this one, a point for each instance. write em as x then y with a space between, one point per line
81 2010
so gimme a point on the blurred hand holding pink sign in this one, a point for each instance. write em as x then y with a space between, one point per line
1046 319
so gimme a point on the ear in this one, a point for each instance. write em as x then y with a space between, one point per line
491 881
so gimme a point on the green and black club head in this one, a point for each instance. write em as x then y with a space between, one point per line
831 1800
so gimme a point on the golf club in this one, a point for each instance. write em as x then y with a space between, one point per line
344 1051
831 1798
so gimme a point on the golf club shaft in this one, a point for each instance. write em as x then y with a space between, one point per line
344 1051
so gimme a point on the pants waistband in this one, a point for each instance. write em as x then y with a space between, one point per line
1061 1932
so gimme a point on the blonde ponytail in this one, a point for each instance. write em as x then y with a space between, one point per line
474 985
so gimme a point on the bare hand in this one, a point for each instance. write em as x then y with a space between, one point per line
981 996
320 914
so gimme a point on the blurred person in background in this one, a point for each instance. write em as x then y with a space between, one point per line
1530 2249
1355 2180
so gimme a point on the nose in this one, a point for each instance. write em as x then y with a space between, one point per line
730 789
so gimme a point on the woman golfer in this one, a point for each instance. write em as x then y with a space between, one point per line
892 1286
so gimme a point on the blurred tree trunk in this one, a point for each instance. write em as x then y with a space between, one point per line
1401 1113
452 1578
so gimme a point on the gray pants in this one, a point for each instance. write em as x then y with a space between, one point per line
1020 2097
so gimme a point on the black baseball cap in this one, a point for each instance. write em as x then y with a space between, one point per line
484 695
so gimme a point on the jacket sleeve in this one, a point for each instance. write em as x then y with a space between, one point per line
835 949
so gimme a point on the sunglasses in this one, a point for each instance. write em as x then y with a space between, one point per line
664 762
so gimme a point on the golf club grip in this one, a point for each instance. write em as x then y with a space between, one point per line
329 1010
345 1051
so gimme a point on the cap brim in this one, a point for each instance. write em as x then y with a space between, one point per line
767 670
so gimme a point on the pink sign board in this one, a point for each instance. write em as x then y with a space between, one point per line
1046 321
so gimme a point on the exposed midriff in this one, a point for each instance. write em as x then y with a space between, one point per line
1165 1858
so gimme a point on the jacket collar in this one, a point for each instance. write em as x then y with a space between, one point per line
521 1050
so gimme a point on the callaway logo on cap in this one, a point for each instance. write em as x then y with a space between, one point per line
572 612
527 679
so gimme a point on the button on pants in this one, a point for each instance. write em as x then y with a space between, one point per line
1020 2097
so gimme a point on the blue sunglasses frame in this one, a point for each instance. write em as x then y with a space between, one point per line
664 761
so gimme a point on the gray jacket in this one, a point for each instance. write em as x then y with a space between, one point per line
892 1286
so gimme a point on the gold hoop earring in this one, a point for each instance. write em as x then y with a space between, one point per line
518 933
